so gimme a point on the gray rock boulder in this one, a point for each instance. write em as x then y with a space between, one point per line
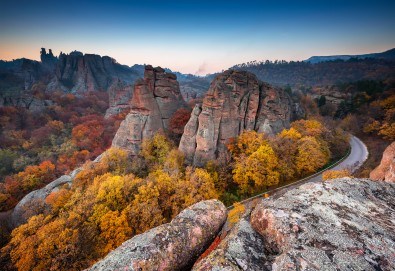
172 246
240 250
34 203
342 224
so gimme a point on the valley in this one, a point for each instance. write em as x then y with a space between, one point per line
197 135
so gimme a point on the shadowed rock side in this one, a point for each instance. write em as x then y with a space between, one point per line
120 97
342 224
77 72
386 170
172 246
155 99
235 101
240 250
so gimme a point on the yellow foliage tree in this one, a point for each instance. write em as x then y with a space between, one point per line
156 149
247 143
311 155
308 127
257 171
114 230
387 130
291 133
334 174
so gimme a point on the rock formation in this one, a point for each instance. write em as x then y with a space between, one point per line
48 60
172 246
342 224
240 250
386 170
80 73
34 203
120 96
155 99
236 101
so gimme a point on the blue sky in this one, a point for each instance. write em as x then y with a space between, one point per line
196 36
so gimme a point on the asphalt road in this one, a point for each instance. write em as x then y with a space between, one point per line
359 154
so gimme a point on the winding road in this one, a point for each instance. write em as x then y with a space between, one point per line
357 156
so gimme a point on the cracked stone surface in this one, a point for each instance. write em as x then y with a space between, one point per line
342 224
240 250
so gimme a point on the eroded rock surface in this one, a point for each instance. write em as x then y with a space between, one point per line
172 246
236 101
78 72
242 249
155 99
386 170
342 224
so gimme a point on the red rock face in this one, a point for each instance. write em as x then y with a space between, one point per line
236 101
386 170
155 99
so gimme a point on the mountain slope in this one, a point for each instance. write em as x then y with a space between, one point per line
389 55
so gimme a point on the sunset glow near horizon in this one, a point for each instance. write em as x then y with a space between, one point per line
197 37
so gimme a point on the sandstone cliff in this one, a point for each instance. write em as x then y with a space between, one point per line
386 170
236 101
155 99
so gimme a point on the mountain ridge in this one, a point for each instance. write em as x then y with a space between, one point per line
389 54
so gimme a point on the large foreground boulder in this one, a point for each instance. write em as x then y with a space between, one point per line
386 170
342 224
236 101
172 246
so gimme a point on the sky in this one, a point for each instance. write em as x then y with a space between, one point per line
197 37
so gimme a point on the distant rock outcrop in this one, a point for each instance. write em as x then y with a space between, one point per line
80 73
172 246
48 60
386 170
155 99
236 101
